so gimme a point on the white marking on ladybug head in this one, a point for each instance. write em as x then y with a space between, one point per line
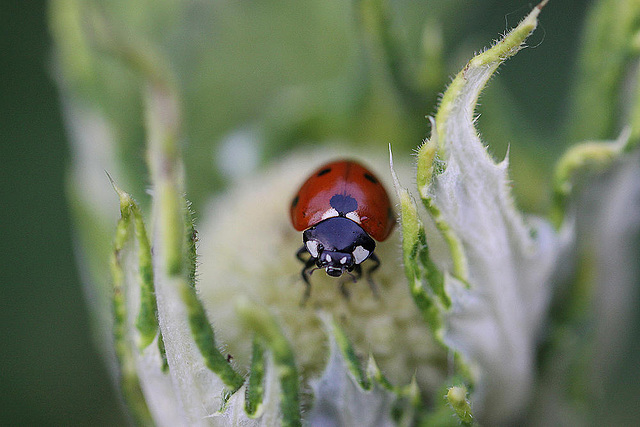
330 213
360 254
353 216
343 260
312 247
328 257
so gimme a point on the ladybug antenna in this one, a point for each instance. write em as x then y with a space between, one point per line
353 276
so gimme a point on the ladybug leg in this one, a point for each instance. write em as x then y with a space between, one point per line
308 264
300 253
357 269
307 284
344 291
374 267
357 274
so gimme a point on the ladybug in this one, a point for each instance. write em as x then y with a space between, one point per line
342 207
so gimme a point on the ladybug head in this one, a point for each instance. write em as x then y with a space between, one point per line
335 263
338 244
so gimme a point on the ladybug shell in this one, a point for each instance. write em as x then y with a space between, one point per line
344 188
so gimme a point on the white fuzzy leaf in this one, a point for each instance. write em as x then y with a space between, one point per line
500 294
605 212
199 390
156 385
608 223
340 400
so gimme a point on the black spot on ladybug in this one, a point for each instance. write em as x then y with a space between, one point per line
370 178
343 204
324 171
294 203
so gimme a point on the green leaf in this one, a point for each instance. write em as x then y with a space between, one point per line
255 388
147 318
283 365
129 380
426 280
457 398
607 72
588 157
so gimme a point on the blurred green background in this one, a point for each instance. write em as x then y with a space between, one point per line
50 372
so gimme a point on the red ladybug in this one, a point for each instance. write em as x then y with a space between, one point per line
341 207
